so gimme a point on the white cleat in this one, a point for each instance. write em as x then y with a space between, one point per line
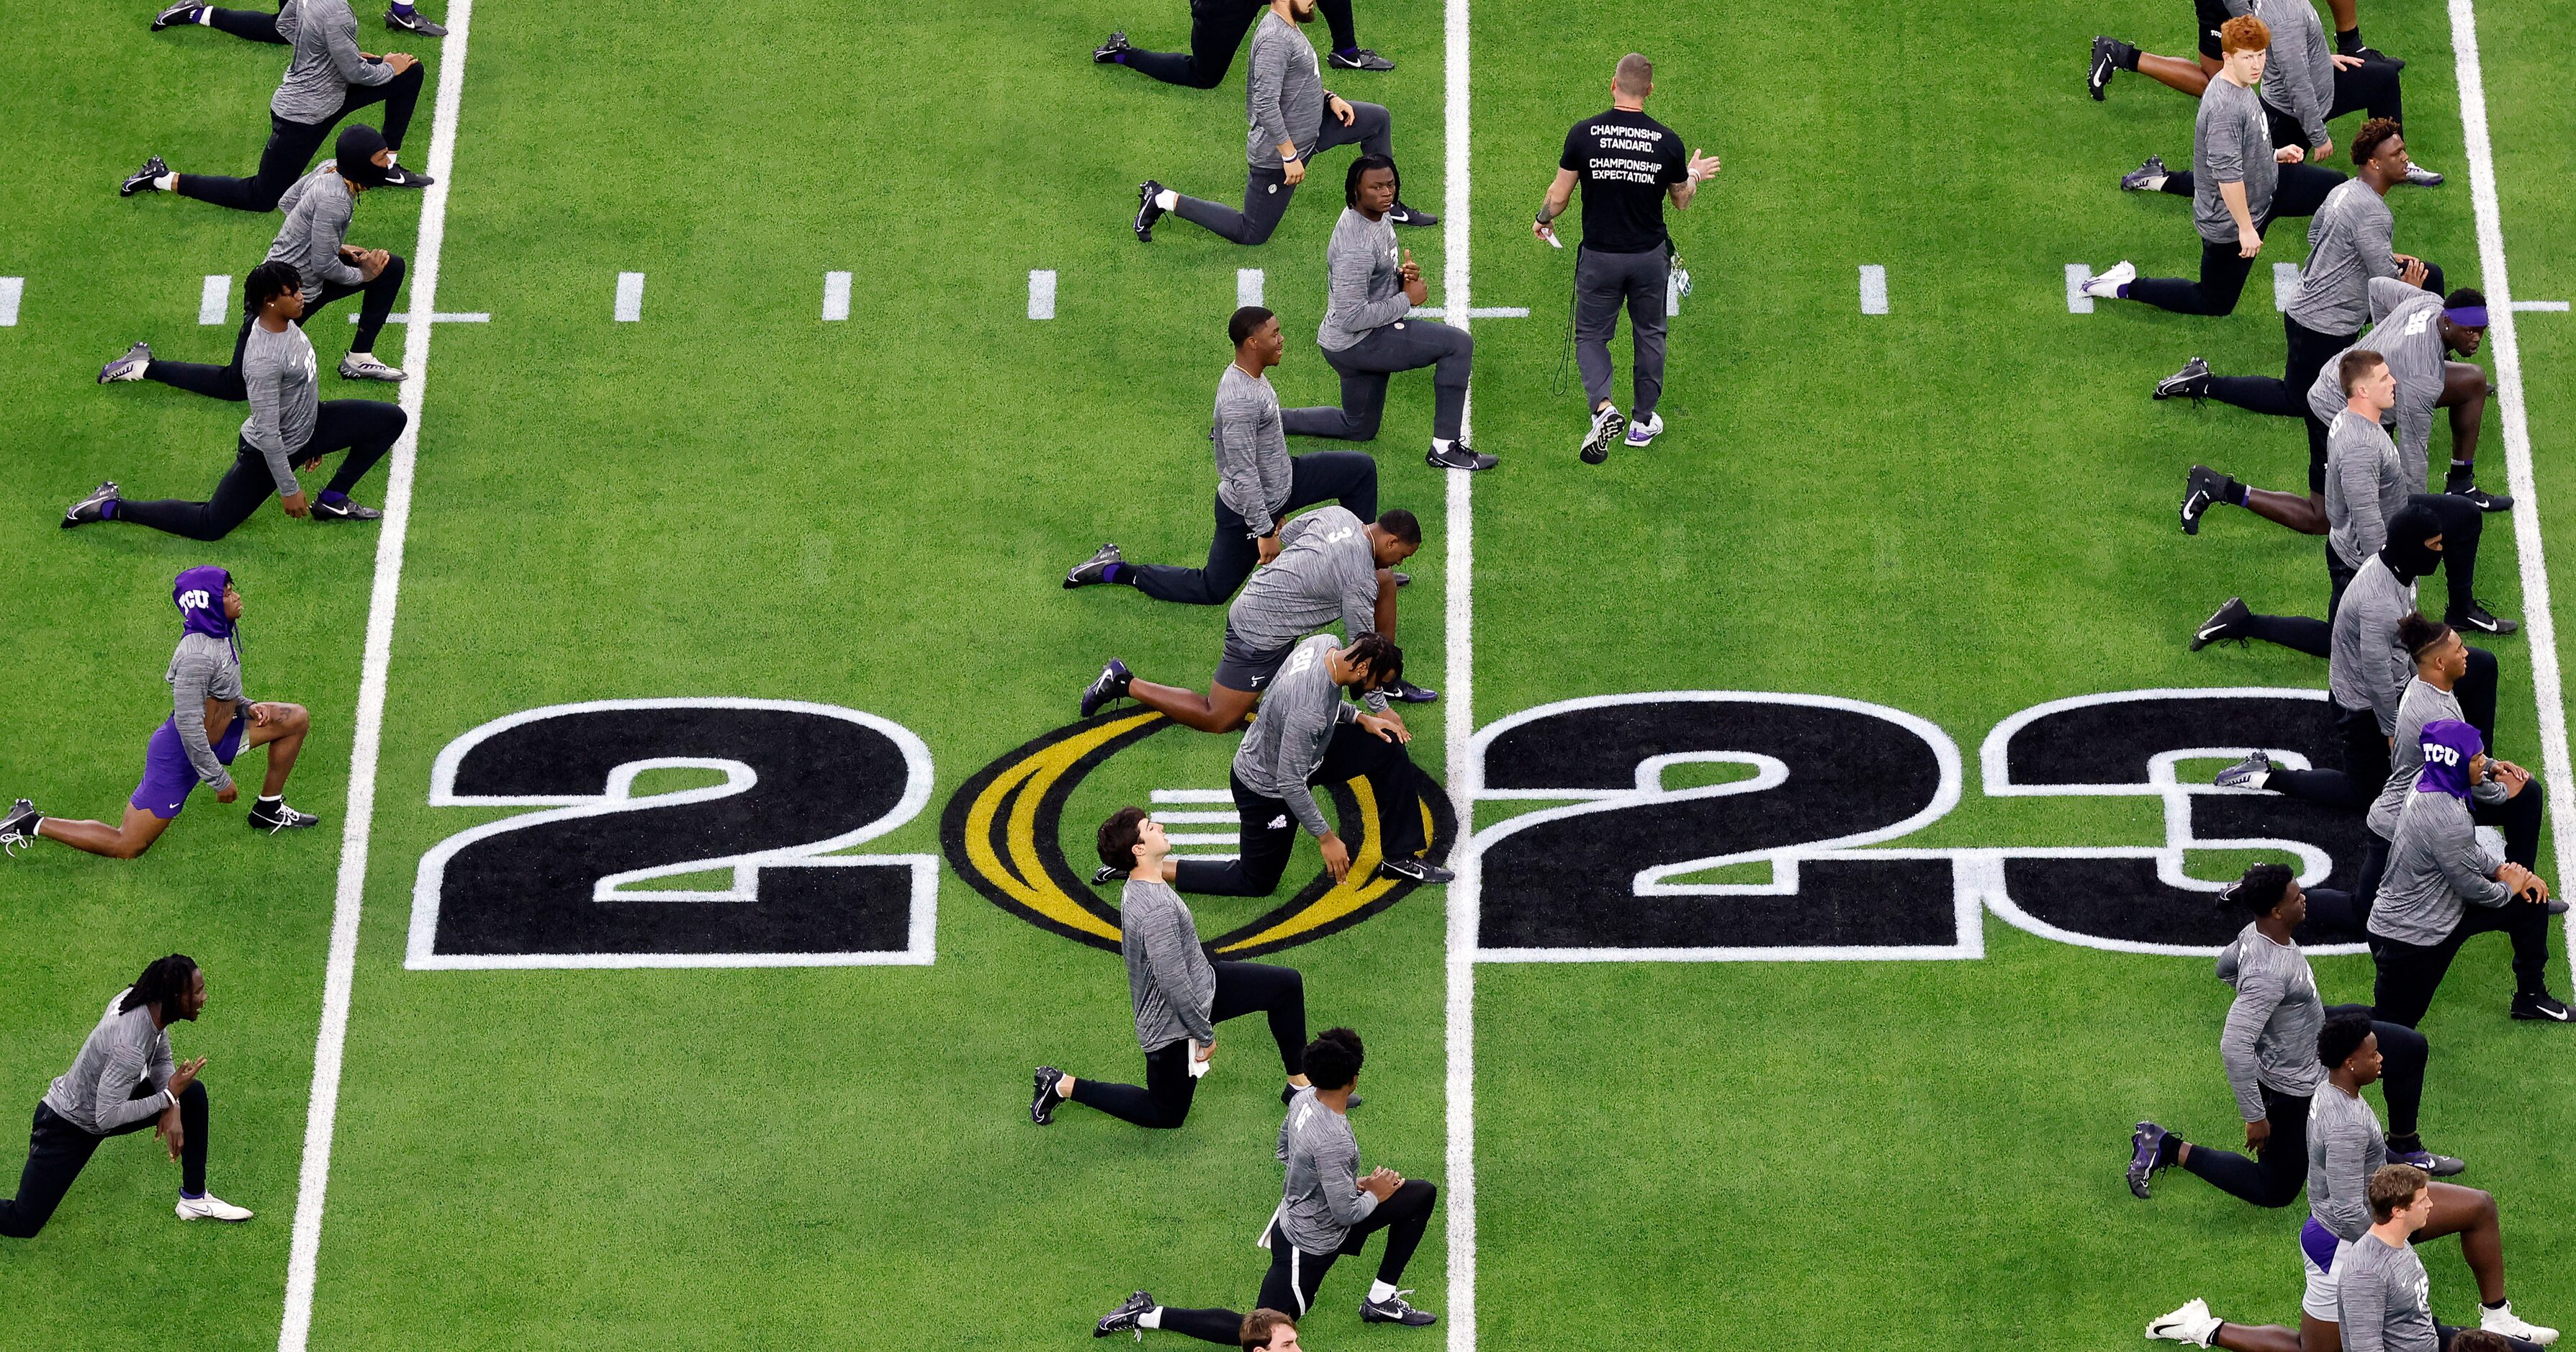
1644 433
211 1208
2106 285
2502 1320
2193 1324
364 366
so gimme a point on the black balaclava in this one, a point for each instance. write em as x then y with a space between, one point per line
2406 554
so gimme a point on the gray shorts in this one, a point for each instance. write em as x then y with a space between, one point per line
1244 667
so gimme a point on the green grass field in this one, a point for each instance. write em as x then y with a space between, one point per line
1956 511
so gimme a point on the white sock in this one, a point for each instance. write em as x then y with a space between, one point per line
271 799
167 183
1379 1291
2155 184
1167 199
205 16
1151 1319
362 356
1441 445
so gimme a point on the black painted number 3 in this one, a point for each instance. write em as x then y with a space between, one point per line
571 886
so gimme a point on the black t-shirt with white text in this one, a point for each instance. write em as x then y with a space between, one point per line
1625 160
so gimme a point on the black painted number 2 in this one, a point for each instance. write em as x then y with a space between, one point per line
571 886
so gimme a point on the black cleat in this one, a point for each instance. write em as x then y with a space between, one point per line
1093 571
2484 620
18 829
414 22
1400 214
1393 1310
1105 875
344 510
1406 692
2146 1156
1359 58
1419 870
2097 76
1402 579
1458 456
2191 382
2486 501
2541 1006
1123 1319
2253 772
284 818
1107 53
141 179
2202 489
91 509
131 366
2147 177
398 177
2439 1166
1111 684
2228 625
183 12
1042 1102
1146 212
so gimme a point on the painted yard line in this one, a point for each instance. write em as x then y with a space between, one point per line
2285 284
1873 289
1224 818
1194 796
2077 274
1247 287
12 289
2541 306
1041 293
1459 753
630 297
2540 625
1473 312
214 299
321 1114
836 296
444 317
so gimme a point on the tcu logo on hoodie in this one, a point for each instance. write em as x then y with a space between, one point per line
2435 753
195 600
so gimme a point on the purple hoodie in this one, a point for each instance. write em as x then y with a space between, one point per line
199 594
2449 746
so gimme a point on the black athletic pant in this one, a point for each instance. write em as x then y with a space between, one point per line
1270 829
2410 973
1603 282
365 428
2279 1171
225 381
2371 85
1267 192
1346 477
251 24
291 146
1216 34
1241 988
2518 817
57 1151
2462 524
1295 1275
2302 188
1405 345
2363 773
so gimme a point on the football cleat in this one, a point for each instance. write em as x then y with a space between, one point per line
2250 773
1092 572
2097 75
2422 177
2501 1320
364 366
92 508
415 22
2485 621
211 1208
1123 1319
2439 1166
284 818
1644 433
131 366
1110 684
2146 1153
2540 1006
1402 578
1419 870
1607 426
2486 501
1458 456
1146 212
1042 1102
1406 692
2201 490
2227 625
183 12
2106 285
1359 58
398 177
1394 1310
18 829
2147 177
343 510
141 180
2193 1324
1107 53
1400 214
2191 382
1105 875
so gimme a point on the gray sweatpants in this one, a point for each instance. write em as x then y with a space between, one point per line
1405 345
1266 191
1602 283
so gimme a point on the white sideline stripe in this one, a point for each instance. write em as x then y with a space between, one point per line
2543 306
1041 293
313 1179
1247 287
2285 284
443 317
630 297
2541 626
1873 289
11 289
836 296
1473 312
1192 796
1466 775
1204 837
1194 819
2077 274
216 297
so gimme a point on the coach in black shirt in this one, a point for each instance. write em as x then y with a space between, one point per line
1628 163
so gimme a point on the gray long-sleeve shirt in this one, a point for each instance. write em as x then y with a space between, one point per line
1324 572
2271 1033
2406 330
318 209
124 1053
2365 486
1253 475
2421 703
2436 867
326 62
1283 93
2366 665
2345 1147
2351 239
285 398
1321 1199
1367 278
2299 78
1169 977
2231 142
1285 745
203 668
2383 1299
